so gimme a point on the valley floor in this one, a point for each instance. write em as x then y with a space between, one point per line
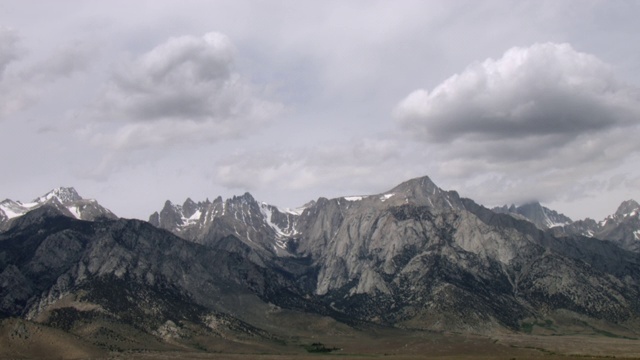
21 340
436 346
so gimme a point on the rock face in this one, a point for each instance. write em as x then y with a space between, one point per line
262 227
414 256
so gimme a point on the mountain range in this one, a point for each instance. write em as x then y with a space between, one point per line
622 227
413 257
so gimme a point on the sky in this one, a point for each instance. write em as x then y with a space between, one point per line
134 103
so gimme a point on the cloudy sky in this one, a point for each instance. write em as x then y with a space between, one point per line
133 103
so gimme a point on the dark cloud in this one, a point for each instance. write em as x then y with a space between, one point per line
184 90
23 83
13 94
9 50
62 63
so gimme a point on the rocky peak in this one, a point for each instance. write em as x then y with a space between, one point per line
65 199
422 185
423 192
242 204
534 212
260 227
623 227
169 216
628 207
189 207
66 195
246 198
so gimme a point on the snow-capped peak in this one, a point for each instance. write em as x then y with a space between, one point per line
65 195
628 209
66 198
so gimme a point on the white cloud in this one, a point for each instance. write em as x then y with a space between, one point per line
545 89
184 90
538 123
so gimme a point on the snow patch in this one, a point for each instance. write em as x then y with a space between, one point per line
386 197
75 211
447 200
353 198
282 244
267 214
551 224
296 211
193 218
13 209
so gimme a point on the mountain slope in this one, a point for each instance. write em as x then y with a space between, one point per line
116 276
423 255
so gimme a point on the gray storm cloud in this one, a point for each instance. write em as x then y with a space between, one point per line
64 62
183 90
9 50
13 96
